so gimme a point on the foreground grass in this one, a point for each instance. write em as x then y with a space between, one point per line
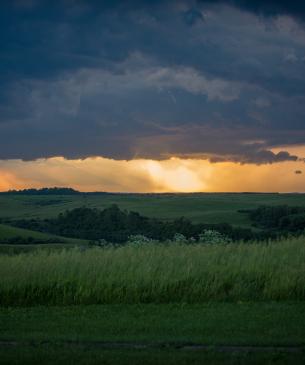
156 274
278 324
86 355
52 328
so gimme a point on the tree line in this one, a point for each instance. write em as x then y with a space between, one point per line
115 225
281 218
44 191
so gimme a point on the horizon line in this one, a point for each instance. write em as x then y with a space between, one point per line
74 191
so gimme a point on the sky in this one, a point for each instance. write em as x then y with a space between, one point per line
153 96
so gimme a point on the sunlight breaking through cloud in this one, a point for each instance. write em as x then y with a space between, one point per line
142 175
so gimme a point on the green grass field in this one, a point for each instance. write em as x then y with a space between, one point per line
87 334
200 208
162 296
58 354
156 274
9 232
264 323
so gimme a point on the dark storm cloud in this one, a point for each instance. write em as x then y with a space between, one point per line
258 157
131 79
268 7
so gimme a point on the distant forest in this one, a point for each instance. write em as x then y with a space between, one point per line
281 218
55 191
115 225
44 191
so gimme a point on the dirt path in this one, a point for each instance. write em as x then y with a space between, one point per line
158 345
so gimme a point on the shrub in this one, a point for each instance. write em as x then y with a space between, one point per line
139 240
213 237
179 238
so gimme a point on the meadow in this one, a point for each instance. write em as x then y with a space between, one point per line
156 273
198 207
8 232
72 302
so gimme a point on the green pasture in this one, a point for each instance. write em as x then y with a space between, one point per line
200 207
9 232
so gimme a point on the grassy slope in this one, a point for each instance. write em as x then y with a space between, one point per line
156 274
210 208
10 232
7 232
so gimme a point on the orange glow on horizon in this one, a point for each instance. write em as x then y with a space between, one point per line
140 175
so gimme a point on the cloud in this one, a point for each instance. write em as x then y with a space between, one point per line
152 80
129 113
191 81
267 7
264 7
192 16
262 102
258 157
291 57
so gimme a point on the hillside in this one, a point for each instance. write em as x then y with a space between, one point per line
9 233
199 207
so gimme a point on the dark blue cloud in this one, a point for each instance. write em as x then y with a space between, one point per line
267 7
151 79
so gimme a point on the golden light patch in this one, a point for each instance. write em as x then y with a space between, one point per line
139 175
174 175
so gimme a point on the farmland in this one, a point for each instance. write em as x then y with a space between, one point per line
9 232
67 300
200 208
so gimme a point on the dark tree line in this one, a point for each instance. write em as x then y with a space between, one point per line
44 191
281 218
20 240
115 225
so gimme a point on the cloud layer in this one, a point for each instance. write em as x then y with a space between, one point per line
220 80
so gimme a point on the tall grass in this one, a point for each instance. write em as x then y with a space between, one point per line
156 273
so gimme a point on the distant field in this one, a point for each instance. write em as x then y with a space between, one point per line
200 208
9 232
